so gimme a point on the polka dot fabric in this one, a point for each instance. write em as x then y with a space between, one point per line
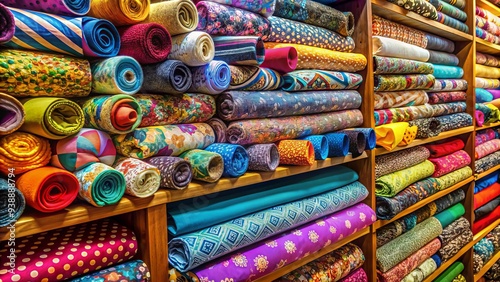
69 252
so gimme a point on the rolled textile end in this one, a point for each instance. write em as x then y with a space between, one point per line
296 152
479 118
100 38
23 151
143 179
176 173
6 191
194 49
283 60
357 142
263 157
212 78
177 16
320 145
239 50
120 12
8 26
169 77
370 137
426 127
148 43
220 129
235 158
11 114
117 75
338 144
207 166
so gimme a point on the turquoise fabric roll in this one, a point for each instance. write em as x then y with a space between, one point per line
184 217
338 144
117 75
235 158
320 145
447 72
451 214
483 95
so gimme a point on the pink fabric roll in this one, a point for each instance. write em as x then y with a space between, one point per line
479 118
487 148
449 163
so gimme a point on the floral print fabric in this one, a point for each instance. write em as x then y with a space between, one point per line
449 163
403 82
389 65
132 271
320 80
142 179
391 184
420 7
446 97
207 166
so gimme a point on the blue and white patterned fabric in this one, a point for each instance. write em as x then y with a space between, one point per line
320 145
235 158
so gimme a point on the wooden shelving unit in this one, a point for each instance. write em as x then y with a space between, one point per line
488 125
483 174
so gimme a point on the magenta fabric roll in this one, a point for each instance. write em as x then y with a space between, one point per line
479 118
487 148
449 163
484 136
7 24
267 256
358 275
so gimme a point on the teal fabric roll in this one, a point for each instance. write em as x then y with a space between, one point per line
451 214
320 145
100 184
450 273
184 217
117 75
447 72
482 95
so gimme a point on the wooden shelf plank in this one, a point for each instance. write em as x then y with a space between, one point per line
418 142
483 174
487 266
449 262
485 4
489 125
380 223
395 13
484 46
291 267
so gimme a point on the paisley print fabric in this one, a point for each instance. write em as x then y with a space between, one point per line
389 65
385 100
420 7
320 80
175 172
449 163
207 166
404 82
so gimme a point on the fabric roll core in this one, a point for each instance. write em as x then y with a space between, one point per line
184 15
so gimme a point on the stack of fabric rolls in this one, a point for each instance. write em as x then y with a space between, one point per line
486 248
487 26
486 202
409 101
452 274
487 150
487 95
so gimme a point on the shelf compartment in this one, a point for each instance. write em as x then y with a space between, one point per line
480 235
449 262
484 46
398 14
489 125
483 174
495 257
485 4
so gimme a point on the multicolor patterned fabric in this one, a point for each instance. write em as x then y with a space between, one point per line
420 7
457 3
234 105
207 166
487 59
220 129
263 7
251 78
135 270
23 151
175 173
449 163
487 148
449 10
169 77
167 140
403 82
120 13
11 212
487 83
385 46
320 146
235 158
443 58
148 43
455 245
487 162
393 162
454 177
487 26
296 152
421 272
212 78
415 112
390 65
386 28
453 230
100 184
193 249
274 129
320 80
57 7
454 121
494 272
177 16
282 60
142 179
239 50
263 157
391 184
13 114
117 75
427 127
193 49
484 249
449 85
385 100
447 72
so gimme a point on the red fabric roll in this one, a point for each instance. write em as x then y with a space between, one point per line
445 148
148 43
486 195
282 60
485 221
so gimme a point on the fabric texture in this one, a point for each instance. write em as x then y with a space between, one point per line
486 59
385 28
250 78
445 97
443 58
389 136
23 151
449 163
486 209
356 276
320 146
420 7
168 77
177 16
320 80
487 162
483 222
235 158
452 22
453 230
370 137
283 60
487 83
264 7
415 112
390 65
338 144
449 85
239 50
486 181
487 72
296 152
454 121
212 78
391 184
447 72
438 43
421 272
451 214
427 127
486 195
207 166
120 12
451 272
487 148
10 212
404 82
175 172
120 74
484 136
393 162
12 114
388 47
385 100
482 95
134 270
220 129
263 157
148 43
193 49
357 142
57 7
142 179
454 246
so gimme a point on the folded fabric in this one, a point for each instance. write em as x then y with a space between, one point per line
495 103
252 78
356 275
416 112
207 166
283 60
174 109
47 69
449 200
443 58
310 57
483 251
175 172
453 230
390 65
235 158
134 270
486 181
296 152
320 146
483 222
448 251
83 36
486 111
57 7
454 121
487 72
487 59
235 105
148 43
220 129
190 250
212 78
426 127
239 50
117 75
289 31
389 136
483 136
264 7
263 157
142 179
385 46
320 80
385 100
386 28
393 162
451 272
13 113
495 93
438 43
487 162
454 177
449 85
177 16
48 189
23 151
487 83
487 148
52 118
11 212
445 148
482 95
446 97
193 49
495 113
269 130
486 195
486 209
117 114
447 72
421 272
391 184
403 82
420 7
168 77
452 22
451 214
120 13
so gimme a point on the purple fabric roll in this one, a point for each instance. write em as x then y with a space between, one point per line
176 173
263 157
7 24
484 136
358 275
219 128
267 256
495 93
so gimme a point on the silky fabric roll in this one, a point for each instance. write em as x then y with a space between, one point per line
174 109
142 179
445 97
338 144
479 116
487 72
175 172
8 28
57 7
357 275
424 270
449 10
214 19
486 209
393 162
452 22
288 31
135 270
386 28
49 70
443 58
448 251
148 43
385 100
320 146
391 184
447 72
487 59
487 148
449 85
100 184
487 83
283 60
483 222
403 82
85 36
263 7
385 46
10 213
449 163
436 259
169 77
420 7
455 228
48 189
495 93
486 181
320 80
454 121
482 95
447 147
212 78
296 152
120 12
239 50
220 129
251 78
23 151
451 214
427 127
13 113
438 43
389 65
390 254
451 272
235 105
389 136
117 114
316 14
263 157
483 136
207 166
486 195
487 162
177 16
370 138
189 251
357 142
163 140
193 49
235 158
318 58
117 75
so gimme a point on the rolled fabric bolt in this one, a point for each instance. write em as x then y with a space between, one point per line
177 16
220 129
283 60
8 213
235 158
370 137
207 166
142 179
479 118
193 49
23 151
11 113
263 157
176 173
338 144
55 7
320 145
212 78
357 142
148 43
117 75
239 50
8 24
120 12
296 152
169 77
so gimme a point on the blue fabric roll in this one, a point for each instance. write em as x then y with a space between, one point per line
338 144
118 75
485 249
212 78
357 142
190 215
130 271
100 38
320 144
235 158
482 95
370 137
437 259
486 181
10 192
447 72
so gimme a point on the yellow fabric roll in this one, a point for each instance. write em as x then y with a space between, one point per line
487 72
495 103
177 16
495 113
409 135
390 135
120 12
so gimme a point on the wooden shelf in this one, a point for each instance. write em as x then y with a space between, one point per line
291 267
484 46
417 142
489 125
449 262
483 174
398 14
249 178
485 4
380 223
487 266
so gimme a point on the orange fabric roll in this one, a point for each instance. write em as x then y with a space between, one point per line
123 116
23 152
296 152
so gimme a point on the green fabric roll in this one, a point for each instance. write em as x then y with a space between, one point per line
391 184
451 272
392 253
207 166
454 177
449 215
100 184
